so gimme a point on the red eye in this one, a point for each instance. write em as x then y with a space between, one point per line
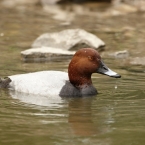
90 58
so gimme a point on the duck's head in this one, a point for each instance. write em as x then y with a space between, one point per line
85 62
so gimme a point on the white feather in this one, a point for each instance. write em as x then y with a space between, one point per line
39 83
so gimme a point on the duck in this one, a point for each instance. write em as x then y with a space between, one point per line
77 82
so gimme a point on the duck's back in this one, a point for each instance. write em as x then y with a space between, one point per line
40 83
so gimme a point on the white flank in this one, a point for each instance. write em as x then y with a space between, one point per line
39 83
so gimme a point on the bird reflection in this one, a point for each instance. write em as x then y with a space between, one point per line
80 117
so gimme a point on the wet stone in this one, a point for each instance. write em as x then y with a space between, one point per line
67 39
118 54
61 44
121 54
137 61
45 54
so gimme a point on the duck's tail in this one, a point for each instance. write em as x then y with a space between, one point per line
4 83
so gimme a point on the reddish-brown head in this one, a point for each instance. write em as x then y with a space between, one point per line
85 62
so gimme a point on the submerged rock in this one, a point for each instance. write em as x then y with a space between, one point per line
67 39
118 54
137 61
121 54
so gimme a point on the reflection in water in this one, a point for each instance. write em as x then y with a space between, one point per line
110 119
51 101
80 112
80 117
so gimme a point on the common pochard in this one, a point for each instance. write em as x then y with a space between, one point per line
77 82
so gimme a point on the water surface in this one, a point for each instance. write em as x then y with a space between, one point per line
113 117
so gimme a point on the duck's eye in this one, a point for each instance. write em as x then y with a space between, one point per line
90 58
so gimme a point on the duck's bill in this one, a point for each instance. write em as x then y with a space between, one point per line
103 69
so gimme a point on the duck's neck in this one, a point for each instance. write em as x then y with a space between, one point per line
83 84
79 80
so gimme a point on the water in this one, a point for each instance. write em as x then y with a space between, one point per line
113 117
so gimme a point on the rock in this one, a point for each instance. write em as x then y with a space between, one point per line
1 34
139 4
58 13
121 9
118 54
121 54
14 3
44 54
137 61
49 2
52 46
68 39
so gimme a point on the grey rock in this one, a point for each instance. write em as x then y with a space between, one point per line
137 61
121 54
50 2
118 54
67 39
15 3
51 46
44 54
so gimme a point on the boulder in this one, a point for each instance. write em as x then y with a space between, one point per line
50 46
68 39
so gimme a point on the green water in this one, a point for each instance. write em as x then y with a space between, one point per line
114 117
